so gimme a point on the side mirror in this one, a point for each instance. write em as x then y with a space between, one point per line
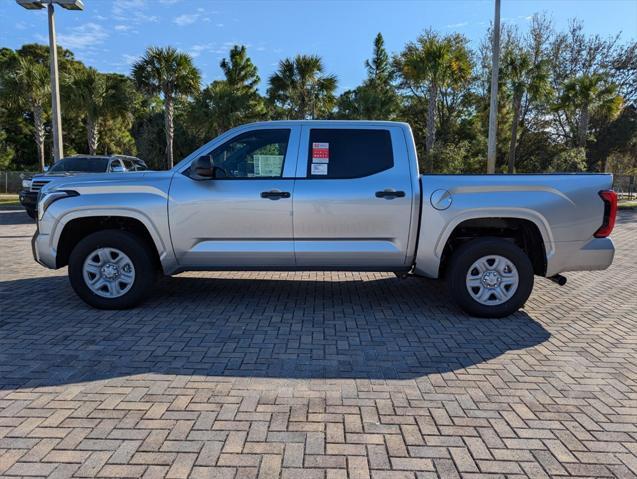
46 168
203 168
117 169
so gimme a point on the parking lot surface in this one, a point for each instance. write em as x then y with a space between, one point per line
315 375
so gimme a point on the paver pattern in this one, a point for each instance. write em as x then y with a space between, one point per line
316 375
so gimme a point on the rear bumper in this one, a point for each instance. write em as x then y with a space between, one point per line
594 254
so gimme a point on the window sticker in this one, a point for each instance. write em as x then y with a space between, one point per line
319 168
320 152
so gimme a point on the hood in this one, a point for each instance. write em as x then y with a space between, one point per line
104 181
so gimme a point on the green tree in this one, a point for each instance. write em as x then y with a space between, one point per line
525 79
26 87
98 96
172 74
586 95
301 89
376 98
430 64
234 100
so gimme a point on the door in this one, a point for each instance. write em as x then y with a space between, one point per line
242 218
352 198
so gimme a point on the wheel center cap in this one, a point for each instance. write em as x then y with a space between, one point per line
110 271
491 279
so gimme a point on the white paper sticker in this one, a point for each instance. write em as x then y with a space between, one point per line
319 168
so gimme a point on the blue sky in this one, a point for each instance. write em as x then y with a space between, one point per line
111 34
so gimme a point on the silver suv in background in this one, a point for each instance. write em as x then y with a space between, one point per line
324 195
73 165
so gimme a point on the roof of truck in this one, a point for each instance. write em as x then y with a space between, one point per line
329 122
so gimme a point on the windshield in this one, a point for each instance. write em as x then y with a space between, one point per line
80 164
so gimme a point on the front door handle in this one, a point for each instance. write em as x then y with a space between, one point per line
275 195
389 194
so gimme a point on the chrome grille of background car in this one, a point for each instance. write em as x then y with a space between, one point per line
38 184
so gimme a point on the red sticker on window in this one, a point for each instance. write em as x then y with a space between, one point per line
320 152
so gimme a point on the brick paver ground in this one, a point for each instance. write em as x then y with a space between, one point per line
316 375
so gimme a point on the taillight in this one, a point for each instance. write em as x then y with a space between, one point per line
610 213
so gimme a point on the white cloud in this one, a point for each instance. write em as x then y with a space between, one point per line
132 11
129 59
457 25
122 28
217 49
186 19
83 37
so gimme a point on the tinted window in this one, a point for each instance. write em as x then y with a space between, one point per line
140 165
128 164
348 153
116 166
81 164
258 153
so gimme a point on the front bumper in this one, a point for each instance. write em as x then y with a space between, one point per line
28 199
42 252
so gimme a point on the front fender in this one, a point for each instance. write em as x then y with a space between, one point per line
149 209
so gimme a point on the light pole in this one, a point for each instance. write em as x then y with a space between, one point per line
56 126
493 107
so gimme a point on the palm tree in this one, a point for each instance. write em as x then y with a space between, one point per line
27 87
523 77
172 74
98 96
301 88
589 94
429 65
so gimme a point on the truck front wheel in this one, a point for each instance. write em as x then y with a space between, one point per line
490 277
111 269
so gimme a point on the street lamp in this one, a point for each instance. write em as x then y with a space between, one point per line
58 149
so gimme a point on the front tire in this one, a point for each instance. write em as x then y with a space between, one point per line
490 277
31 213
112 269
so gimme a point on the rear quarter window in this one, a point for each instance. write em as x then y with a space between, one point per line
348 153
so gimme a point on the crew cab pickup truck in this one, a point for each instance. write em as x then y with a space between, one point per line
324 195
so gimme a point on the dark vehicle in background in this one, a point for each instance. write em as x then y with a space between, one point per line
74 165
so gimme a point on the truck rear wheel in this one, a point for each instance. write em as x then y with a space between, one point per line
111 269
490 277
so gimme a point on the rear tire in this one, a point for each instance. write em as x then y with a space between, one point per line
112 269
490 277
31 213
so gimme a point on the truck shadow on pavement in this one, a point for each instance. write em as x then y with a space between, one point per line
275 325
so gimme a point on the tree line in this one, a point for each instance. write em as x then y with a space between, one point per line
567 101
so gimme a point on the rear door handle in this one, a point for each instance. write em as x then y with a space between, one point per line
275 195
389 194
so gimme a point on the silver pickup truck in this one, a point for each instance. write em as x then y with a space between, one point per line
324 195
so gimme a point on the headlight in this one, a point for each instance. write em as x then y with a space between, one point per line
26 184
46 199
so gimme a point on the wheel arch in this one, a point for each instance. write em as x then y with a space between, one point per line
530 234
76 226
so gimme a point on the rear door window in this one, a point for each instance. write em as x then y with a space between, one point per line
348 153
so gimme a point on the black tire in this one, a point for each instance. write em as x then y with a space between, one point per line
472 251
129 244
31 213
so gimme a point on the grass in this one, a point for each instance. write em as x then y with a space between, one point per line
9 200
628 204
